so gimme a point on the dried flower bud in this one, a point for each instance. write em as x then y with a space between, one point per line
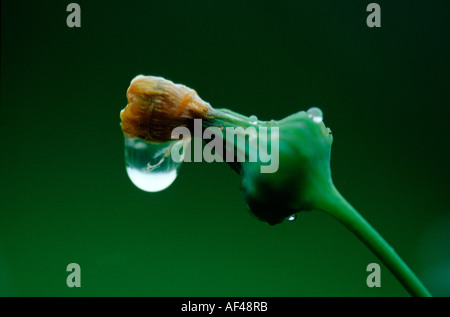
156 106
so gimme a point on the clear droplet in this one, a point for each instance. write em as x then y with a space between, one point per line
253 119
292 217
150 166
315 114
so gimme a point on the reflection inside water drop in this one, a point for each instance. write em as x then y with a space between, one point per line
150 166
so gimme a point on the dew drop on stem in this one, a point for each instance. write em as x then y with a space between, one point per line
315 114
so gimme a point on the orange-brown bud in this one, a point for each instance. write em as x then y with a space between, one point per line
156 106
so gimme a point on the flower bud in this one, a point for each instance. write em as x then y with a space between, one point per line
156 106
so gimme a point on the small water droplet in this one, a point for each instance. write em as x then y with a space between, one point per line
149 166
253 119
292 217
315 114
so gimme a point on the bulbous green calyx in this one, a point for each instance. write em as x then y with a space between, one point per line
303 171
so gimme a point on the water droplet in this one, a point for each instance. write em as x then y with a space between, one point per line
292 217
150 166
315 114
253 119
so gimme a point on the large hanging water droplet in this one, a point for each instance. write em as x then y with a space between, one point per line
150 166
253 119
315 114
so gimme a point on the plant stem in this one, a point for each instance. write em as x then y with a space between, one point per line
336 205
333 203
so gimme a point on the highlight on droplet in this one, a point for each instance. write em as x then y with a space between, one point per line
292 217
151 181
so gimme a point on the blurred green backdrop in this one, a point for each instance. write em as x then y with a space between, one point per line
65 195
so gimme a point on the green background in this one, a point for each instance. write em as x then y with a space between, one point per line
65 195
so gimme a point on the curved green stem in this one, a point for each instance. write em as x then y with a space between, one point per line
336 205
